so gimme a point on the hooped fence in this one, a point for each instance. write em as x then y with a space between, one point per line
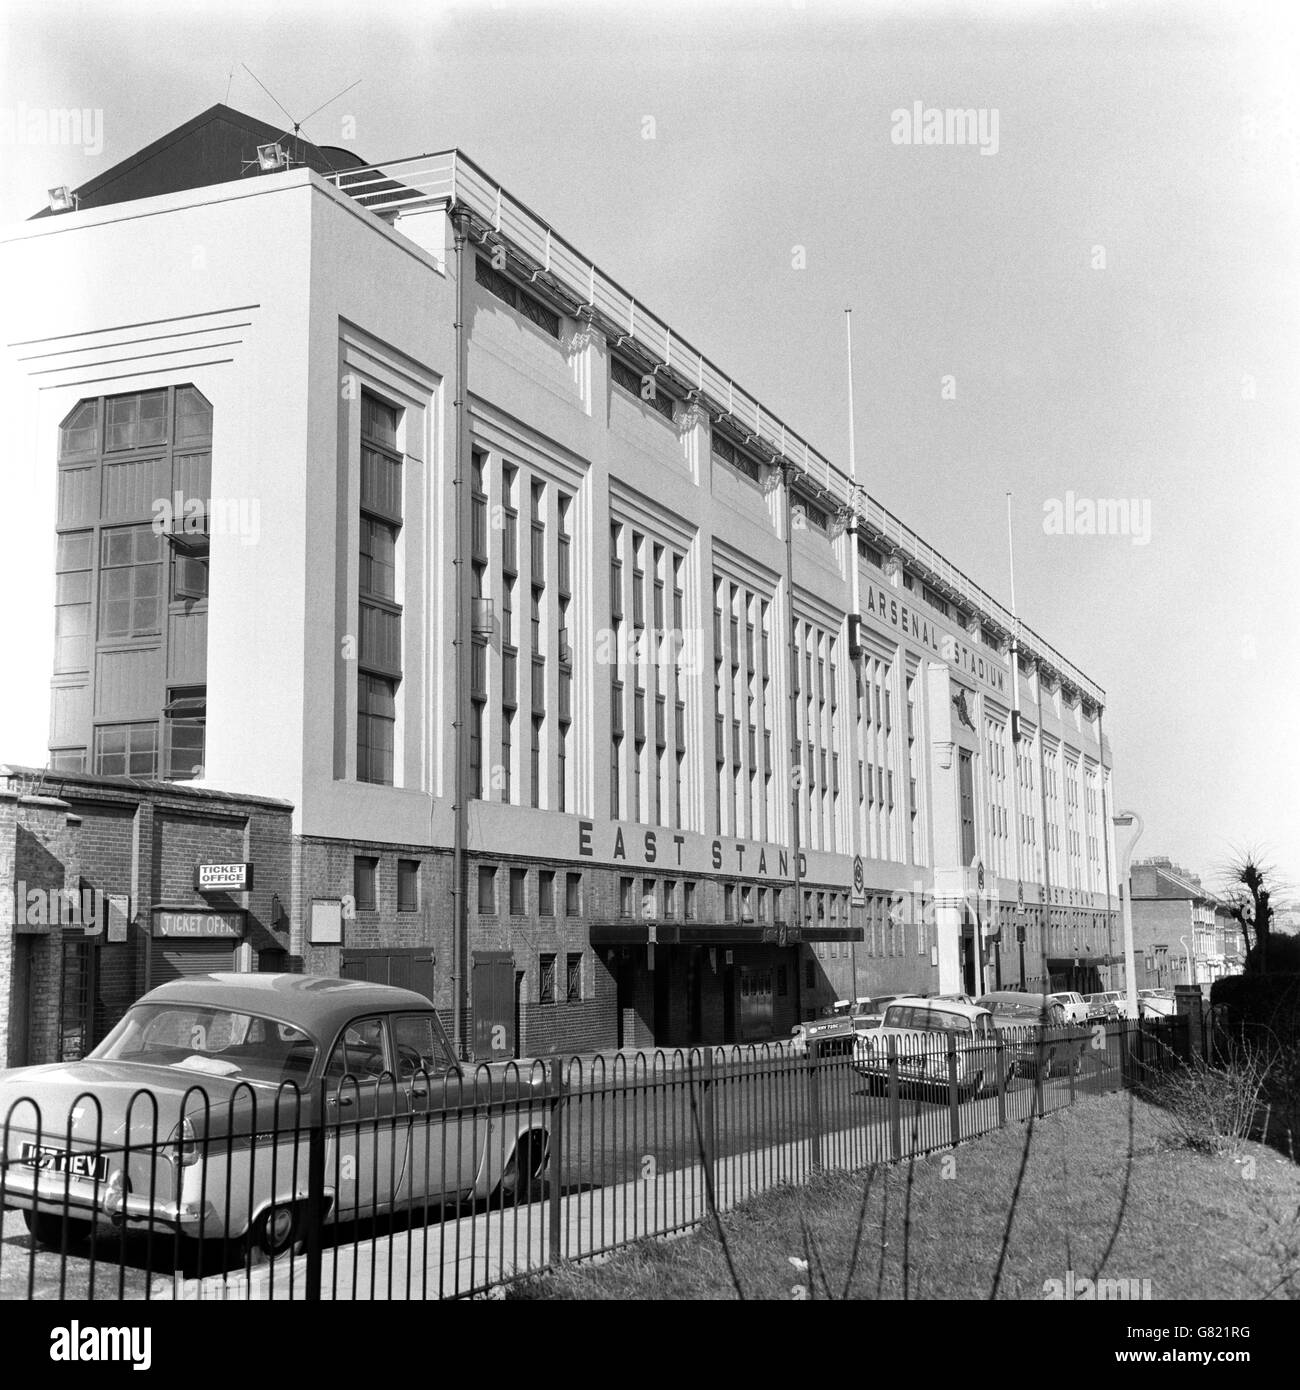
421 1187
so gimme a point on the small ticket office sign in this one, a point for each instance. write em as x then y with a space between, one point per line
223 878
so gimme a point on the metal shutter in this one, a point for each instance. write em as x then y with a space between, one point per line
173 960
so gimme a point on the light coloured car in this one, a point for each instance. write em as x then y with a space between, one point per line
1156 1003
920 1029
1074 1004
193 1115
1104 1005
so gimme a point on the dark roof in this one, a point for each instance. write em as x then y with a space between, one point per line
216 146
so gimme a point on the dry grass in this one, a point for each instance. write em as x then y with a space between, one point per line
1103 1192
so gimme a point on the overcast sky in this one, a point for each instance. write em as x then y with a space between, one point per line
1103 305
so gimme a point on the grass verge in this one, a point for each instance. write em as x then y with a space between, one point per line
1108 1191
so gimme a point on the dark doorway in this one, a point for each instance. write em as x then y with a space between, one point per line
626 1001
968 962
20 1048
695 997
729 1003
519 1012
663 977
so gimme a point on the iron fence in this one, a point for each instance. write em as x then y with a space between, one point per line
434 1186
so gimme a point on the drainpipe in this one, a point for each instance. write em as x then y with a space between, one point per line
460 721
1105 847
1045 929
787 470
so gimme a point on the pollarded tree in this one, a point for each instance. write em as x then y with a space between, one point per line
1249 900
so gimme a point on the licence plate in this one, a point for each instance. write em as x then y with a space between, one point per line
79 1165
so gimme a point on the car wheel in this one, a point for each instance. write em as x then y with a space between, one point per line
276 1233
522 1179
46 1228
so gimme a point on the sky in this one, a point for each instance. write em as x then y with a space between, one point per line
1093 305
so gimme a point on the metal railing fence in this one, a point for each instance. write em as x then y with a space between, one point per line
423 1186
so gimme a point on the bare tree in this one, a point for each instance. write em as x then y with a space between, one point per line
1251 885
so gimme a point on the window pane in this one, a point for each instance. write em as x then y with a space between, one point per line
408 885
74 551
193 416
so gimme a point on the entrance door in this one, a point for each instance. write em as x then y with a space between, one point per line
755 1004
494 1005
729 1004
695 997
19 1048
407 968
969 951
663 978
77 998
967 789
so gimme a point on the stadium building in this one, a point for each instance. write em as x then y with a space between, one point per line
609 712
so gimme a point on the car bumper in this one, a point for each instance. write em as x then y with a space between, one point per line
98 1202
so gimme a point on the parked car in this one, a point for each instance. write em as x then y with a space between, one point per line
1104 1005
1075 1006
920 1029
1020 1015
191 1116
1156 1003
842 1022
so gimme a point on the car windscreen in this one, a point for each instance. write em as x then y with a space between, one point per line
210 1041
1004 1008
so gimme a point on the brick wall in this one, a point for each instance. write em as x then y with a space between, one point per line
116 836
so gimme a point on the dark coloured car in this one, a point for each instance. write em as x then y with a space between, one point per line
1037 1031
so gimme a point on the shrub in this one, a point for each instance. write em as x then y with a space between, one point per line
1212 1108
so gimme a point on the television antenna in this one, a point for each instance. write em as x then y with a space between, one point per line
298 132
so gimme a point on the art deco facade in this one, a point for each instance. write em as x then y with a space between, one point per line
609 712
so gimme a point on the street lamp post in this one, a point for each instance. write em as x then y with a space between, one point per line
1128 819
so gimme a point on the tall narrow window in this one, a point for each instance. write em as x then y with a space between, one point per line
379 661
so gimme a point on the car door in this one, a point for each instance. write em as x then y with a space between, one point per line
367 1134
447 1134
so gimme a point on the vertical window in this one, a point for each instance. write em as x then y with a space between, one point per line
72 638
487 890
408 885
376 719
365 878
728 902
546 979
121 560
130 584
626 890
688 901
518 892
379 661
546 892
573 895
573 981
185 718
